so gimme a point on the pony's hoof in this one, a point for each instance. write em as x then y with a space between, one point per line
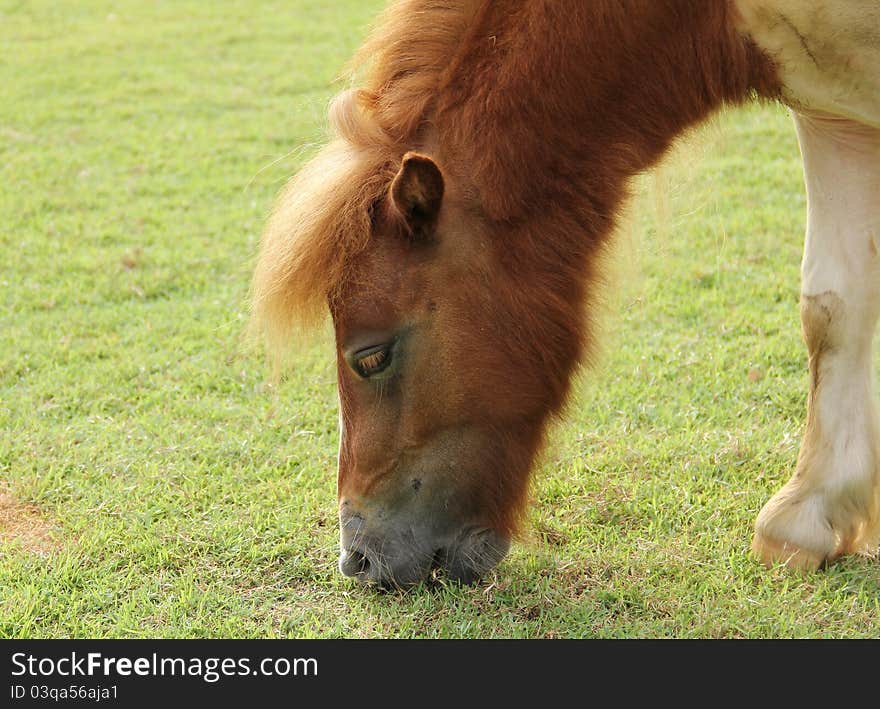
774 551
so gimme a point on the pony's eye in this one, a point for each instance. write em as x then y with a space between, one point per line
372 360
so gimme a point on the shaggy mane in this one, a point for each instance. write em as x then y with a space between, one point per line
322 218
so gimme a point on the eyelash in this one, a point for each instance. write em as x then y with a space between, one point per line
373 360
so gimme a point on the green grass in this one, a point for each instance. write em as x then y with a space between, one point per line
163 489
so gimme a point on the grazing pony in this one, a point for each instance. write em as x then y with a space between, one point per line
454 225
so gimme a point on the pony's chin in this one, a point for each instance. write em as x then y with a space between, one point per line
474 556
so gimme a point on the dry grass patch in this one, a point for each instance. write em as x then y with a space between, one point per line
24 525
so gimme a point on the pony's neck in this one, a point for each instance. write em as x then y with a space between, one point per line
555 105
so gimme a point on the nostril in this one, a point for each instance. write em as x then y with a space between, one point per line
353 563
362 562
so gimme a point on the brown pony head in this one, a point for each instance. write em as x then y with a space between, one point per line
453 350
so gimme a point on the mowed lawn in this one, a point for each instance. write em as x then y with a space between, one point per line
154 483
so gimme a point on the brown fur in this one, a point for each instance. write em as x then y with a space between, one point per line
476 70
539 112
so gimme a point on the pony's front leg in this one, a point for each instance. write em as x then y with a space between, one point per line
830 507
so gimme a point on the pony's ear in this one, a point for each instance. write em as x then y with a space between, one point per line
417 192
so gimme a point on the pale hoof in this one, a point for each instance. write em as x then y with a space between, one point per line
773 551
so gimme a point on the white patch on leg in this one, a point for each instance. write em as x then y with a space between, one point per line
832 504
